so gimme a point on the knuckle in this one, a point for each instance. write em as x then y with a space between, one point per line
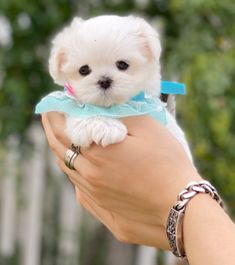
99 204
80 197
122 238
58 135
93 179
121 232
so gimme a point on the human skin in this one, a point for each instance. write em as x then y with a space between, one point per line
131 186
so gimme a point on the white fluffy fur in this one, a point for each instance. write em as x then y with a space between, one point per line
100 42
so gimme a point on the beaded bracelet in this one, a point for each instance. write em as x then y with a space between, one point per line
174 227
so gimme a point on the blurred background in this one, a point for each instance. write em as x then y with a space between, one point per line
40 221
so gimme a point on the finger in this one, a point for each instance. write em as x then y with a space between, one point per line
140 125
136 126
57 125
75 177
125 230
53 124
80 162
58 148
98 212
57 122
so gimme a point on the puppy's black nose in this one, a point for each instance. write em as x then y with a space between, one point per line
105 82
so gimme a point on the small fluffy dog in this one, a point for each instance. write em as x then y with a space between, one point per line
107 60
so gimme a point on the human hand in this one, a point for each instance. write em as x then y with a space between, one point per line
130 186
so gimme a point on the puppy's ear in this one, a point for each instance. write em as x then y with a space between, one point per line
151 46
56 61
60 48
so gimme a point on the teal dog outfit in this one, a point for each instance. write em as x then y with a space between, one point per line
65 102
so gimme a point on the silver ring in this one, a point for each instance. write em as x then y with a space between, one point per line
70 156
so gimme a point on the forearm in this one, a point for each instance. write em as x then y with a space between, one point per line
209 234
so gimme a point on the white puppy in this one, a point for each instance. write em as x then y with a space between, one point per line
107 60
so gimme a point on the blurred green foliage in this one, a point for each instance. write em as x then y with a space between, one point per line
198 38
24 62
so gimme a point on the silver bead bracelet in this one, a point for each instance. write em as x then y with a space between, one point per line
174 227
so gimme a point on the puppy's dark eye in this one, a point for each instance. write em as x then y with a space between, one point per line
85 70
122 65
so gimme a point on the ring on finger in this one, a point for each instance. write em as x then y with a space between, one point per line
70 156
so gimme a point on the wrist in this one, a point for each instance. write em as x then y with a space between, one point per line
175 189
176 219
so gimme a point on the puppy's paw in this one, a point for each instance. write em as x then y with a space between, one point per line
108 131
81 138
79 132
102 131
